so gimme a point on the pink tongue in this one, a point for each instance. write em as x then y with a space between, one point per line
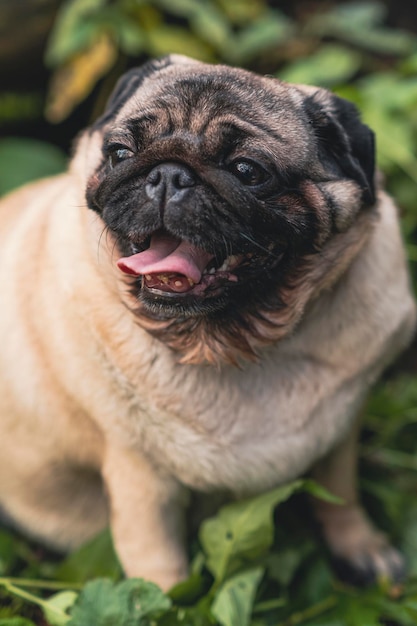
167 255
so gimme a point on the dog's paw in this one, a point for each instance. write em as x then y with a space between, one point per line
369 563
361 555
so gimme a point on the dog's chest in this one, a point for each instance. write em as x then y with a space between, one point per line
244 430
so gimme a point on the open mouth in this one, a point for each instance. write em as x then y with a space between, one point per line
173 267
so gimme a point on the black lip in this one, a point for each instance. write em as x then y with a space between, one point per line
172 305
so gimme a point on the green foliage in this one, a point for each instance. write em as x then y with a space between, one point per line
241 533
258 573
233 604
95 558
35 158
76 28
360 24
329 65
129 603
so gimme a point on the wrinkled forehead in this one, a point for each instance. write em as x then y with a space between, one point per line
196 94
203 99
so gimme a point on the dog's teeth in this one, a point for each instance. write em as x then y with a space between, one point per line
148 276
212 271
190 282
228 263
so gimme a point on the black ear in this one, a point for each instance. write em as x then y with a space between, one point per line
344 139
126 86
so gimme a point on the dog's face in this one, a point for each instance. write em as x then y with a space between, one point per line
221 189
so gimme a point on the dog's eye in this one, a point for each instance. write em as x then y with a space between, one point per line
248 172
119 154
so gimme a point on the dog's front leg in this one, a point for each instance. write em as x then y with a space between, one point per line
146 518
361 553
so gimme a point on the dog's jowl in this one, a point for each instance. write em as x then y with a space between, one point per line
201 302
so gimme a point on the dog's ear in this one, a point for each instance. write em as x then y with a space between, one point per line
344 141
126 86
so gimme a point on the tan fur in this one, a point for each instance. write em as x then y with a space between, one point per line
101 423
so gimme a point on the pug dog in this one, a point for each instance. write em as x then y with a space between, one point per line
200 303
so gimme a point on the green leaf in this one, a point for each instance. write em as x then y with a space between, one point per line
387 105
316 490
204 17
74 29
347 18
282 565
56 607
210 24
94 559
395 145
131 36
242 532
23 160
166 39
356 15
385 41
398 93
242 11
133 602
331 64
188 591
269 30
233 603
359 23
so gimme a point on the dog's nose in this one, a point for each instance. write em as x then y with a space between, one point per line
169 181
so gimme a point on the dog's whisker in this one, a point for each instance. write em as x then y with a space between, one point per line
227 247
104 230
115 243
269 252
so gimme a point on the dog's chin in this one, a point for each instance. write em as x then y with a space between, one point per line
161 304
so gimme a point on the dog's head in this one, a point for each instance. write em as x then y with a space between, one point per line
232 199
